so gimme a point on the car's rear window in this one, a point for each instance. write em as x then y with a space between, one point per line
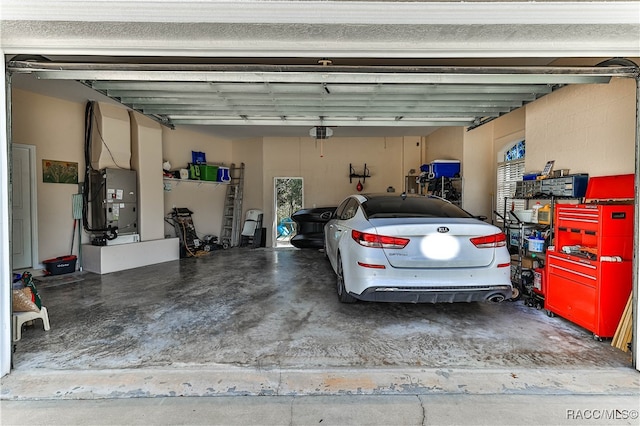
396 206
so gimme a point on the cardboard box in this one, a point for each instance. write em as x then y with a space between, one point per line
527 262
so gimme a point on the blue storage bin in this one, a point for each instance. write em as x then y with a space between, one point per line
198 157
445 168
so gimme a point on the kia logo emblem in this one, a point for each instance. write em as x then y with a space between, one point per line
443 229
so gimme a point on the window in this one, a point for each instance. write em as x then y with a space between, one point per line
516 152
396 206
350 209
510 171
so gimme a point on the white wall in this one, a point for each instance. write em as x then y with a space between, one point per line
146 158
205 200
445 143
250 152
412 155
56 128
587 129
478 177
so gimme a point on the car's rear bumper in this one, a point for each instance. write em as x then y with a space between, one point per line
452 294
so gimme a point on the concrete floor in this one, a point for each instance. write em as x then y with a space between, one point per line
267 322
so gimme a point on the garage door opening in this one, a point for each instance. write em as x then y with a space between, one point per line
411 79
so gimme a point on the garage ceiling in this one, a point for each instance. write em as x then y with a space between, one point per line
307 96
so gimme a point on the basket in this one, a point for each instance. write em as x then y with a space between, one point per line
524 215
535 245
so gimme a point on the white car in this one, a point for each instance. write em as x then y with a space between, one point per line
412 248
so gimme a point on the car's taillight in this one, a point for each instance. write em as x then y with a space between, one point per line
490 241
378 241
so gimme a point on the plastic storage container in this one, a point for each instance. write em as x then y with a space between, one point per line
194 171
524 215
198 157
536 209
60 265
209 173
445 168
568 186
544 215
536 245
223 174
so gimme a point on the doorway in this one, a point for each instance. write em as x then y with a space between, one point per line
289 199
23 201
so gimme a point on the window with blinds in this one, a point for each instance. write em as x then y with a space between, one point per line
509 172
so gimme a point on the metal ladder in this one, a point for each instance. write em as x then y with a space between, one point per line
232 213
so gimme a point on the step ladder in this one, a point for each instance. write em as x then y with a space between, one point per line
232 213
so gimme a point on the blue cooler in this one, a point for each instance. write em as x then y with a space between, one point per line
445 168
223 174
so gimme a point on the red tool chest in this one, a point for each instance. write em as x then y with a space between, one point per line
590 271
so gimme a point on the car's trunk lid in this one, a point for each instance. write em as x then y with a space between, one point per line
436 243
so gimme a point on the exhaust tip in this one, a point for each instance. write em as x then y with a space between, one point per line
496 298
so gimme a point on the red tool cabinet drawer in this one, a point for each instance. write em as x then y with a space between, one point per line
616 219
572 300
573 269
577 218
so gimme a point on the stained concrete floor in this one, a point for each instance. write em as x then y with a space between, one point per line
267 322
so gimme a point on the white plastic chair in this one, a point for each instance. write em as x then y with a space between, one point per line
20 318
251 222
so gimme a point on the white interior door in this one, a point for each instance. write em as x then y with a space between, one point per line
22 209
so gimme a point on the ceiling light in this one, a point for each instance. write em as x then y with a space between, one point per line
320 132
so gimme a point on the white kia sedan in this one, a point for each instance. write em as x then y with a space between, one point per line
417 249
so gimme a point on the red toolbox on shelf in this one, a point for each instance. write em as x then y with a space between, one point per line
589 275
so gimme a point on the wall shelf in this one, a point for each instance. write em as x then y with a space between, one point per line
192 182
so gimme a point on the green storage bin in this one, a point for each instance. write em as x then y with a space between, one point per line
208 172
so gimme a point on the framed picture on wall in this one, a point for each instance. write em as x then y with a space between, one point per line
59 171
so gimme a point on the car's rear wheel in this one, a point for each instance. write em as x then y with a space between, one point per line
343 296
